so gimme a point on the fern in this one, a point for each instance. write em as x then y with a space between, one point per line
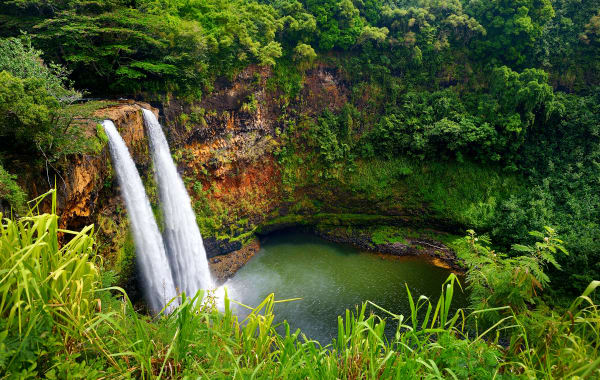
496 280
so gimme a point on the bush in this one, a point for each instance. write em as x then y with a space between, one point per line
496 279
11 192
20 59
57 323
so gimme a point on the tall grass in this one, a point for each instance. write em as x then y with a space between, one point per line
565 346
42 285
54 325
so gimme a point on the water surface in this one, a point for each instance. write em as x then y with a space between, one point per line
331 278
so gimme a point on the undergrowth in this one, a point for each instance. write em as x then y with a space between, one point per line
60 319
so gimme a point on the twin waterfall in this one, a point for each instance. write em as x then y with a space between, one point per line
181 264
152 259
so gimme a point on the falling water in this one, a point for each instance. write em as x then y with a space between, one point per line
152 260
184 243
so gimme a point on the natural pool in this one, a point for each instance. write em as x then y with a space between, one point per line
331 278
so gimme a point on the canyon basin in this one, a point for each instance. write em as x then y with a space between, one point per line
330 278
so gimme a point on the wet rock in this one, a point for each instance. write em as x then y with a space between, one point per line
437 251
215 247
83 182
393 248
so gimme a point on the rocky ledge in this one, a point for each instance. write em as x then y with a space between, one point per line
435 251
225 266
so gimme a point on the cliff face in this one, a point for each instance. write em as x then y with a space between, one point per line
226 147
87 187
87 190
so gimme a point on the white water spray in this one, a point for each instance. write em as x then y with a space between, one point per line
184 243
150 251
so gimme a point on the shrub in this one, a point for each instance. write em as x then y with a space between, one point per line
10 191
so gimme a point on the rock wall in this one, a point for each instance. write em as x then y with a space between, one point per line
225 147
88 183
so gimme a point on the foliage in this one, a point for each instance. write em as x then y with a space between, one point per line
20 59
304 53
298 25
549 344
497 280
560 158
124 46
33 97
25 105
57 322
489 126
512 27
508 156
384 235
464 114
172 46
566 49
592 30
44 288
10 191
421 123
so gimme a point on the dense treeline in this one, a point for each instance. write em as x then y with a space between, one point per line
511 85
183 45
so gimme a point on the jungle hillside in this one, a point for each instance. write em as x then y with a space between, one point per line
467 131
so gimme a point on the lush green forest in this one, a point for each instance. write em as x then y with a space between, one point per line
506 90
510 85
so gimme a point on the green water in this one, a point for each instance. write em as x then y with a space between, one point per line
331 278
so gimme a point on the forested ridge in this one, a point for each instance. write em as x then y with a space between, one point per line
506 90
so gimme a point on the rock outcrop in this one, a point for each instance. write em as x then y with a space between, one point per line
87 175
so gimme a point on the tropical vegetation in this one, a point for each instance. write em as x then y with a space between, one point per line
62 319
479 116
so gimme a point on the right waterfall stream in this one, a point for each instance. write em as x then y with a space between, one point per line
185 248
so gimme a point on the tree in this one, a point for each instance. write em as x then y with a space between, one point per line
297 25
33 97
521 96
25 108
512 26
338 22
18 57
304 54
127 49
373 33
420 32
10 192
592 30
497 280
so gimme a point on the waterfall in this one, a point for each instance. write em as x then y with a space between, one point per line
183 240
150 251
